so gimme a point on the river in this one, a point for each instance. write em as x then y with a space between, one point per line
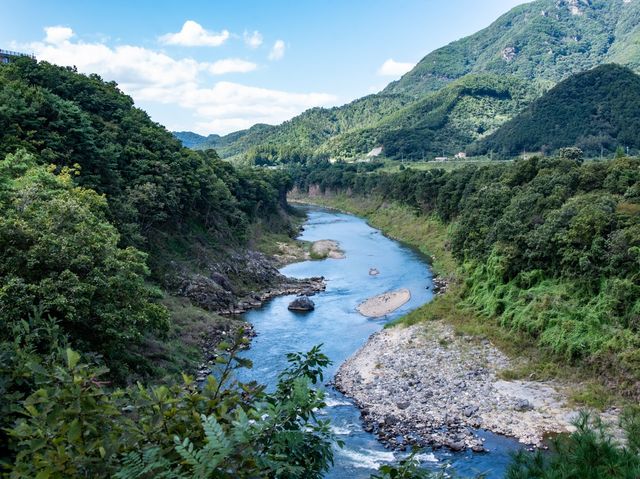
342 330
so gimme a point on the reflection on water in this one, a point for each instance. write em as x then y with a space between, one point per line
337 325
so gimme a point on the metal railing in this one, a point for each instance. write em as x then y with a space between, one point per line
9 53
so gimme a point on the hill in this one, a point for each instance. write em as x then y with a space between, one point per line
544 39
444 122
313 127
97 201
597 111
544 42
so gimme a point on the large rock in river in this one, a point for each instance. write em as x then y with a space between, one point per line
302 303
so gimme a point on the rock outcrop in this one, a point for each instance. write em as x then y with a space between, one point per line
302 304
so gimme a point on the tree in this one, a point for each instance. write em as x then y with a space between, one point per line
60 259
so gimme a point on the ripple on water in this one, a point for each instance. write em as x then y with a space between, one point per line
366 458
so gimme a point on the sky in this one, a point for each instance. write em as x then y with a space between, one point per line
220 66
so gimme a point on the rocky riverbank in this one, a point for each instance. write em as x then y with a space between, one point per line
239 282
423 385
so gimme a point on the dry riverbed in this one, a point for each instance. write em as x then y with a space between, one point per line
423 385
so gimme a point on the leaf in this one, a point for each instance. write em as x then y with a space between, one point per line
73 358
74 431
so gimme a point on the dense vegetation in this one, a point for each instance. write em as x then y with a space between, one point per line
539 43
90 189
444 122
597 111
311 129
549 247
541 40
74 234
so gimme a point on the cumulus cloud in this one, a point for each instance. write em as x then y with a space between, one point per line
231 65
253 40
176 87
194 35
277 51
57 35
392 68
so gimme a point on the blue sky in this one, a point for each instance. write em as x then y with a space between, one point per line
219 66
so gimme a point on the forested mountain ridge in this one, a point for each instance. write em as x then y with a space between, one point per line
312 128
543 39
444 122
190 139
542 42
597 111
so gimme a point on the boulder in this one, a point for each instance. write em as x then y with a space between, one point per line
523 405
302 303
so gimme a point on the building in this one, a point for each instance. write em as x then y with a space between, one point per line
440 159
7 56
461 155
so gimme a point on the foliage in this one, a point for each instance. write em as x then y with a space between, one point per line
549 246
151 183
72 425
60 259
444 122
408 468
593 110
591 452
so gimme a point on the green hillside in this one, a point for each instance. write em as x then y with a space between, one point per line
96 200
190 139
313 127
543 42
597 111
544 39
444 122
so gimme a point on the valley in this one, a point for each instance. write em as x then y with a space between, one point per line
438 279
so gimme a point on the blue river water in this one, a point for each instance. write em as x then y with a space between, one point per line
342 330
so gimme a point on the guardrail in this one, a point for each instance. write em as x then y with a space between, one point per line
9 53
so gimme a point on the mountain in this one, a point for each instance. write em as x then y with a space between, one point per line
541 42
544 39
313 127
445 121
596 110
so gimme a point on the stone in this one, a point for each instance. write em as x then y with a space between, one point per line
523 405
302 304
455 446
470 410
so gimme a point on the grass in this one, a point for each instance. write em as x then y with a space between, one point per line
394 166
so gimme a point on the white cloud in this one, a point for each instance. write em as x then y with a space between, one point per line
194 35
231 65
392 68
253 40
182 91
57 35
277 51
